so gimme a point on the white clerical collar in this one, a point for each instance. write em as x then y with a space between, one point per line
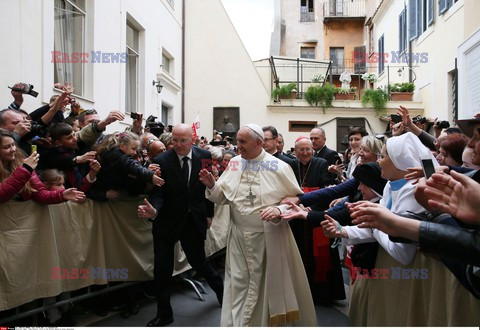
258 158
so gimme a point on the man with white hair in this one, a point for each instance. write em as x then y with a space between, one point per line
265 282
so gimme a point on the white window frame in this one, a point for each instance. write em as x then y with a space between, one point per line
65 67
132 53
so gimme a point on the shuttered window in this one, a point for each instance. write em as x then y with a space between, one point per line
431 12
412 19
381 57
402 31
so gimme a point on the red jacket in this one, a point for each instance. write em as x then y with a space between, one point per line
17 180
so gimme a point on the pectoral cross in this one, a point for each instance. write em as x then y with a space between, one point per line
250 198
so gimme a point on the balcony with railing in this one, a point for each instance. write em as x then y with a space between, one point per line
339 65
343 9
307 14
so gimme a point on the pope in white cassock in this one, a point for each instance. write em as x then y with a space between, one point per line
265 281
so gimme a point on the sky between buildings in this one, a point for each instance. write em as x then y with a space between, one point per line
253 20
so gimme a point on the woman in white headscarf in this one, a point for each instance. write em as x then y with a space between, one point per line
398 154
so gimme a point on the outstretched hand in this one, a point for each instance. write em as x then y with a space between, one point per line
74 195
295 212
157 181
455 194
146 210
330 227
372 215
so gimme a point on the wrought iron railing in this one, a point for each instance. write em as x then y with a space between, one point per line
299 71
357 66
336 8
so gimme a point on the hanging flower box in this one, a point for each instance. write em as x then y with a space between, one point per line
401 96
344 94
401 92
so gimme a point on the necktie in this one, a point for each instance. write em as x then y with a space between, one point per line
185 168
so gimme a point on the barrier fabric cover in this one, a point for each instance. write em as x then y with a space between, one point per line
43 247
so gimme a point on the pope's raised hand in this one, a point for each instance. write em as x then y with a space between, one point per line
206 178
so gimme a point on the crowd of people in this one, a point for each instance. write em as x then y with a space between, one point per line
289 211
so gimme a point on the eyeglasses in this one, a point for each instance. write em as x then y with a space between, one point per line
268 139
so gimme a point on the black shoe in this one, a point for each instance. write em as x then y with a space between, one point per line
160 321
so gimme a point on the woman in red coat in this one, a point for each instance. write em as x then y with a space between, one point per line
18 179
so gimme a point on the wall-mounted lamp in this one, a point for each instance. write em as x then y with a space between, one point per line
158 85
400 72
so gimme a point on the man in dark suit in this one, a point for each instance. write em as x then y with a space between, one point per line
280 145
318 138
270 144
180 210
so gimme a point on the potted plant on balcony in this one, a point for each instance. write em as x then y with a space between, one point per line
285 92
320 95
377 97
318 78
401 92
370 77
342 94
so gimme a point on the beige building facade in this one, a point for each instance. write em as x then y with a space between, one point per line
432 32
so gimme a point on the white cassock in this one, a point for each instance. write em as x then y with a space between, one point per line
265 281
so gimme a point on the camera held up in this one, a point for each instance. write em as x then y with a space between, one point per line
443 124
27 89
135 116
155 126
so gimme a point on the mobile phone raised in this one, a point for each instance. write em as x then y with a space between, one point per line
428 167
396 118
34 148
135 115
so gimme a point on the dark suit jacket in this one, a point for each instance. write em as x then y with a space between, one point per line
178 204
285 158
317 175
331 156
